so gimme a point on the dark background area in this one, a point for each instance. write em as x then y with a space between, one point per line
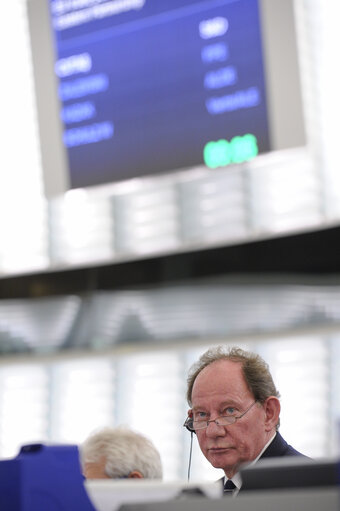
309 254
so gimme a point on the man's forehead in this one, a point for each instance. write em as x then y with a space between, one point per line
221 378
223 368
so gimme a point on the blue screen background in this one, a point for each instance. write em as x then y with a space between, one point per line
160 85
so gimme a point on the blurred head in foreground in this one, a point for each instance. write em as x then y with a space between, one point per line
118 453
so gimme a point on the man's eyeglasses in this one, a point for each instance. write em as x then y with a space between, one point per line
224 420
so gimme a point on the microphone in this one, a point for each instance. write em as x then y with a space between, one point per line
188 424
190 455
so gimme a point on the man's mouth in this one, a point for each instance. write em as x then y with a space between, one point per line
218 450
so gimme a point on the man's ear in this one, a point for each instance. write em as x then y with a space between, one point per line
272 410
135 474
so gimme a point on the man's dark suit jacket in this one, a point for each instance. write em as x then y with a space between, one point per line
277 448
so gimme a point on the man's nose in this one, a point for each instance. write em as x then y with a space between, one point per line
214 429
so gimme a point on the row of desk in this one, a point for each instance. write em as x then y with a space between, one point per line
48 478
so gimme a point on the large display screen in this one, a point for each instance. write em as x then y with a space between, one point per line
153 86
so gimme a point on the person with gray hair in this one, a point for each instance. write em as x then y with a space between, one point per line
118 453
234 411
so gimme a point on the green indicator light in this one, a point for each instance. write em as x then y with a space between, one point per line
217 154
237 149
222 152
245 148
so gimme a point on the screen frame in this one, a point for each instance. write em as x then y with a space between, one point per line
284 97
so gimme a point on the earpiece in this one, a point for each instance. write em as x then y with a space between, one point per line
189 424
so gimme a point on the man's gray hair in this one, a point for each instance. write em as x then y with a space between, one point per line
124 451
255 371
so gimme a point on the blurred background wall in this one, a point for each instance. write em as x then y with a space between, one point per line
107 295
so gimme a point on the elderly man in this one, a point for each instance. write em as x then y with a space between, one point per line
119 453
234 411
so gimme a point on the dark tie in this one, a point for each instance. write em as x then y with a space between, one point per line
229 488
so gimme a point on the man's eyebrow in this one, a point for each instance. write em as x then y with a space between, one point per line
224 404
195 408
230 403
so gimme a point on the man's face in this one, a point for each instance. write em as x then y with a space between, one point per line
219 388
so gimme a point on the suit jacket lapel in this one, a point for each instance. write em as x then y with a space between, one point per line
278 447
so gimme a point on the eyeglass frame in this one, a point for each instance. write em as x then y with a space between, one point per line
190 421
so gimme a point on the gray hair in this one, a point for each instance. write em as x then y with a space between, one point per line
124 451
255 371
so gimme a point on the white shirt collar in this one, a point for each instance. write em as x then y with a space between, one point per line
265 447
